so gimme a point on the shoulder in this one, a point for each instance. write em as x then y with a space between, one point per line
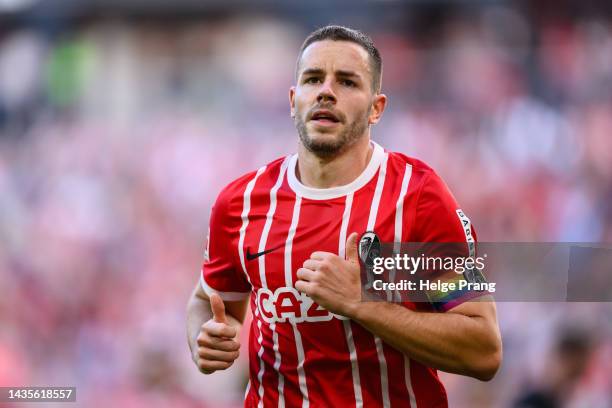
436 215
232 195
422 176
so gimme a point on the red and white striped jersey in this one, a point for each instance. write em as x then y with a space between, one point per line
265 224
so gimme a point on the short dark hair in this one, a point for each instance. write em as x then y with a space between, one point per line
341 33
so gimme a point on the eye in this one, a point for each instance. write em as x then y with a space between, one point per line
348 82
312 80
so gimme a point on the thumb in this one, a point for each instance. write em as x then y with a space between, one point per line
352 253
218 308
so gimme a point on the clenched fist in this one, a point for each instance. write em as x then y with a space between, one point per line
217 347
333 282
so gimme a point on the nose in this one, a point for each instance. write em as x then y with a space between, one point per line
326 93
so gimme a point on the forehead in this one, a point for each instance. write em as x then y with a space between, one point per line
335 55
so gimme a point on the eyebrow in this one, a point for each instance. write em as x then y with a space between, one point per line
340 73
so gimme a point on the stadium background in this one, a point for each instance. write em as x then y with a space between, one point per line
121 121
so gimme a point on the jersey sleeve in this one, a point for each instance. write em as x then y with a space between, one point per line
438 216
221 270
445 230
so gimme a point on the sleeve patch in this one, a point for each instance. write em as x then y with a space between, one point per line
467 229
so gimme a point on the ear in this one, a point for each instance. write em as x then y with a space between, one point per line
378 107
292 100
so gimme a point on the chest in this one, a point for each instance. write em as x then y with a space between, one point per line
277 241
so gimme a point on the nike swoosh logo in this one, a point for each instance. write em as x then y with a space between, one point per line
251 256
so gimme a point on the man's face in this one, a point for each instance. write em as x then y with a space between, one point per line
332 100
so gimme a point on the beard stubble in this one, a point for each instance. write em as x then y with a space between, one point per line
346 138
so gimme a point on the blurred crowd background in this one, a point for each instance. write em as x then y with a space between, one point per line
121 121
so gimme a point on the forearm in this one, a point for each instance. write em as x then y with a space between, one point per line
198 312
452 342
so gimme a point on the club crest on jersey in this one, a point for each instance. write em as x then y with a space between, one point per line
288 305
369 248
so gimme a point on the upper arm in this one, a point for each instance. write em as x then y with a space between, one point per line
445 232
222 271
438 217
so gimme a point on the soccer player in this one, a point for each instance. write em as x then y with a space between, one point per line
283 240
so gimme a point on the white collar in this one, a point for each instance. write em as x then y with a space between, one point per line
334 192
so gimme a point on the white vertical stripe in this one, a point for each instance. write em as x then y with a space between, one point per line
260 389
246 207
344 227
399 207
408 379
266 230
289 283
384 376
399 219
348 331
300 367
384 379
377 193
248 388
277 363
289 243
264 284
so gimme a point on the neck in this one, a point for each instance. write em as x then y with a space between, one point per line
326 172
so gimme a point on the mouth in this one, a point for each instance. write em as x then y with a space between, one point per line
324 117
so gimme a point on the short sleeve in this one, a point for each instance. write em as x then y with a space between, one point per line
221 270
438 216
447 232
